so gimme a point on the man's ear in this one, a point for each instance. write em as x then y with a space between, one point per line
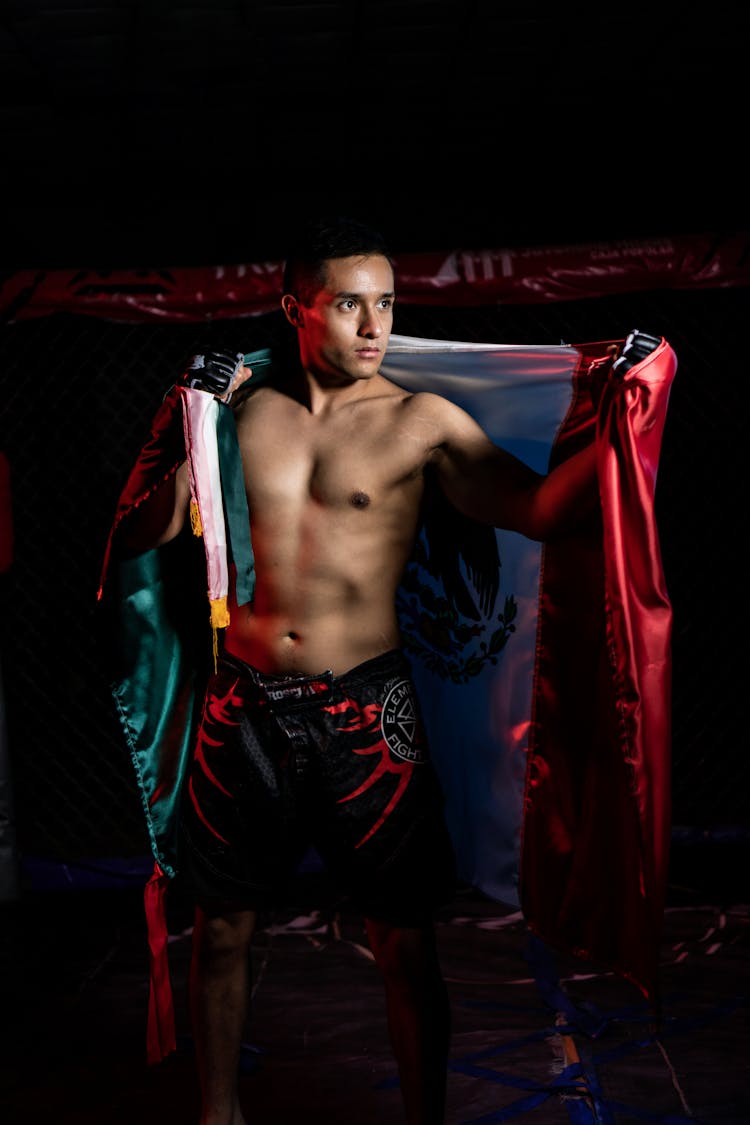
291 308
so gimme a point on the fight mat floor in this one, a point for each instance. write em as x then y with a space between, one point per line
538 1038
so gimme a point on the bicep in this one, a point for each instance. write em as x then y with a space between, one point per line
159 518
481 479
180 505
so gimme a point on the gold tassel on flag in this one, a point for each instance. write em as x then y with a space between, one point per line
219 613
195 518
219 620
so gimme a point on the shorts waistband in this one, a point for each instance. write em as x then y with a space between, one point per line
277 688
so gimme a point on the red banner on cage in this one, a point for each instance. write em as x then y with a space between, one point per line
525 275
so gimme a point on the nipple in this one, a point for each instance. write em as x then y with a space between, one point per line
359 499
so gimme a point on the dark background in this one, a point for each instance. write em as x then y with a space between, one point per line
157 133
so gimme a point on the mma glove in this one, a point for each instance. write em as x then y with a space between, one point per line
213 372
637 346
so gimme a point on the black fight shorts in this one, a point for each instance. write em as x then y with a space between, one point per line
337 762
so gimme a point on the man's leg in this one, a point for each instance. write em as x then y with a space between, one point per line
219 999
418 1015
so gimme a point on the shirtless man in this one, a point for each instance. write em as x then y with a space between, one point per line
335 461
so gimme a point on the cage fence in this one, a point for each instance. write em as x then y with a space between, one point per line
78 395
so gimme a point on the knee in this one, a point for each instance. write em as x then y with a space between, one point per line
404 954
226 934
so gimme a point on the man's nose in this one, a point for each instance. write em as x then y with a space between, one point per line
370 324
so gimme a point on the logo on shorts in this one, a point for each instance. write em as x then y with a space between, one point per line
398 723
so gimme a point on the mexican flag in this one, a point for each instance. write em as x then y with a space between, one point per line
545 670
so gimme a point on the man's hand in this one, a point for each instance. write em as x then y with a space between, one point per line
219 373
636 347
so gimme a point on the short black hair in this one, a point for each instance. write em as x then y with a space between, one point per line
322 239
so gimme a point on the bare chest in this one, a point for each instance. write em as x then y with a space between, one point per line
355 460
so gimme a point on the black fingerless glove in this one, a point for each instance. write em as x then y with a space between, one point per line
212 372
637 346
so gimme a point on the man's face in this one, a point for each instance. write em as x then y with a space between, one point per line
343 334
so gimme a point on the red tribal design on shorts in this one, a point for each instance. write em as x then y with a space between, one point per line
392 732
219 710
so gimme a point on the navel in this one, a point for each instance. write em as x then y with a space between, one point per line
359 499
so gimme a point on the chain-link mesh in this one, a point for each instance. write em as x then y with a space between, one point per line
78 396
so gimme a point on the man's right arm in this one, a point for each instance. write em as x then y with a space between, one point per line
156 498
159 518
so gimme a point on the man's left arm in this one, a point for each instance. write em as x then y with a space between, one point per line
491 485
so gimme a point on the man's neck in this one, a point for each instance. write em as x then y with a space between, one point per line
324 393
